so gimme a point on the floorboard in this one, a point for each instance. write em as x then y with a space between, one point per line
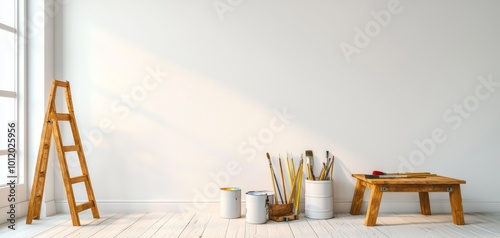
279 229
161 224
484 224
301 228
23 230
65 228
196 226
323 229
142 225
174 226
157 225
236 228
95 227
216 227
256 230
120 224
396 225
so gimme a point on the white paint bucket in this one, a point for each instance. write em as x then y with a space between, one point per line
270 200
230 202
319 199
257 207
270 196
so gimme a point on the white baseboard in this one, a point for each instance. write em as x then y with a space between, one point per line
437 206
17 212
49 208
21 209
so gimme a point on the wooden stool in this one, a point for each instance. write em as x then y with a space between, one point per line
422 185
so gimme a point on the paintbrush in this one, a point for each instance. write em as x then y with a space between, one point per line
292 178
377 172
310 161
309 171
296 199
369 176
282 178
332 167
323 172
290 173
327 156
272 175
328 164
294 185
277 185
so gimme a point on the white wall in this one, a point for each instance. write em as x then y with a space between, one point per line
39 40
175 99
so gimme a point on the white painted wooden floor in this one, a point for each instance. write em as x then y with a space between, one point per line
210 225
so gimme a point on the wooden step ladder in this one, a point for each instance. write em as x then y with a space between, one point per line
51 127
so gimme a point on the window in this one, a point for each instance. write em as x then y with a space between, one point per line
11 90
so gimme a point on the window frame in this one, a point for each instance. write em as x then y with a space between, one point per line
19 94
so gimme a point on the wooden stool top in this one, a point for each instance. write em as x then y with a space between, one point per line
412 180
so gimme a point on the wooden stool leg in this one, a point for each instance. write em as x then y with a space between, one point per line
425 205
357 198
373 206
457 211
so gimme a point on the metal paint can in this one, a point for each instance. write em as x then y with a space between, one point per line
257 207
230 202
270 196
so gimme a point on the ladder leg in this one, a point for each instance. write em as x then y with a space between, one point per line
81 154
65 175
88 185
35 204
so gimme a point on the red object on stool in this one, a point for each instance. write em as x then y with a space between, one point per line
376 172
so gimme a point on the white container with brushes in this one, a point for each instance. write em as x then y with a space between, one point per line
319 199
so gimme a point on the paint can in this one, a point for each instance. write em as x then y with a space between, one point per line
257 206
230 202
319 199
270 200
270 196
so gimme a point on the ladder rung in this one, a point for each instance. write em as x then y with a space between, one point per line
84 206
61 83
78 179
70 148
63 116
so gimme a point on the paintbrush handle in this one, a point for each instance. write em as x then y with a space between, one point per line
272 175
290 175
293 187
282 179
278 187
308 172
329 170
332 167
296 199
